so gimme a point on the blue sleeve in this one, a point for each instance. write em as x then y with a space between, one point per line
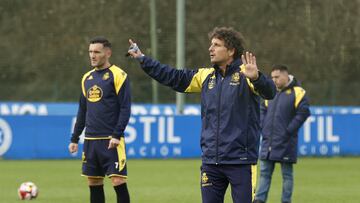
80 120
177 79
124 99
302 113
265 87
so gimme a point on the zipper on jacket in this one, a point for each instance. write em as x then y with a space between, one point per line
272 120
218 121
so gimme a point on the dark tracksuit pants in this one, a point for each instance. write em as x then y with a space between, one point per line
216 178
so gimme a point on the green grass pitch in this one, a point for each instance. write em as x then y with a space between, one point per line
320 180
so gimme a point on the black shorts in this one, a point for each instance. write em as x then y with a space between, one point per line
99 161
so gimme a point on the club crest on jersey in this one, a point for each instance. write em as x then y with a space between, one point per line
288 91
235 79
106 76
94 94
211 82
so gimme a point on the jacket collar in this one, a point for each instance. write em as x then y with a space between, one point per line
292 82
231 68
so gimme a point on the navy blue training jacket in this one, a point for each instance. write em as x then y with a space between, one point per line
281 119
230 108
105 104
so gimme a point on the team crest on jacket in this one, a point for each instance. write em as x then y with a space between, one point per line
106 76
288 91
211 82
205 180
94 94
235 79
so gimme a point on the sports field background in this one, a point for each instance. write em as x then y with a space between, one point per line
320 180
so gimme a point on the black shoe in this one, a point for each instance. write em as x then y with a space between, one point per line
258 201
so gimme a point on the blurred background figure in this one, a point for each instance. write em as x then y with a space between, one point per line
281 119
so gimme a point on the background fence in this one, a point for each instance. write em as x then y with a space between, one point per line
42 131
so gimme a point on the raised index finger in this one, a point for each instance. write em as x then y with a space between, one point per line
131 42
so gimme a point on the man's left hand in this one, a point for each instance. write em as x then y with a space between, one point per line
251 70
113 143
134 50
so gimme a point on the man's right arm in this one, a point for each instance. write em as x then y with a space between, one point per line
80 120
302 108
179 80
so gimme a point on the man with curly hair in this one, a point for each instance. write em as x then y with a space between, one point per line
230 105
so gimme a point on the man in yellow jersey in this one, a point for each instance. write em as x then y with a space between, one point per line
104 109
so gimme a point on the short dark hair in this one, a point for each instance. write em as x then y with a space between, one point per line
232 38
101 40
280 67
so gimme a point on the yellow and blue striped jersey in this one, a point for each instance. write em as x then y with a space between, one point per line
105 104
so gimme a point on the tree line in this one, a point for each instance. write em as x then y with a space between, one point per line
44 43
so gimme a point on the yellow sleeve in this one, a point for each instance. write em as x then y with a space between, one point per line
83 81
119 77
299 95
198 79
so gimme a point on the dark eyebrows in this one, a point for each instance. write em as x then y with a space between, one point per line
96 51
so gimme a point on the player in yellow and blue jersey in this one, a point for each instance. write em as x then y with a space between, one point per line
104 109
